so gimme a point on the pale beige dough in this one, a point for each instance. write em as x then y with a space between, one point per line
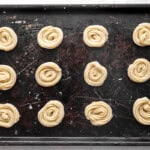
139 70
9 115
51 114
141 110
7 77
141 34
8 39
98 113
95 35
50 37
95 74
48 74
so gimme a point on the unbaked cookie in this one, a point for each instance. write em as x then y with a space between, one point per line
141 34
7 77
95 35
98 113
95 74
48 74
141 110
51 114
8 39
9 115
50 37
139 70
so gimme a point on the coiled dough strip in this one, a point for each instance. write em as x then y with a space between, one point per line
48 74
141 110
95 74
98 113
8 39
139 70
95 35
51 114
141 34
9 115
50 37
7 77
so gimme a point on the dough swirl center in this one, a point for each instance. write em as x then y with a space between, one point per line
50 37
99 113
95 36
7 77
8 39
51 114
141 110
95 74
139 71
9 115
48 74
141 35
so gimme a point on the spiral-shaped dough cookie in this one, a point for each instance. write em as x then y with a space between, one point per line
51 114
95 36
139 71
48 74
95 74
9 115
99 113
50 37
141 110
7 77
141 34
8 39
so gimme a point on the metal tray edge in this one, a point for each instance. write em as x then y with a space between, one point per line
79 6
78 141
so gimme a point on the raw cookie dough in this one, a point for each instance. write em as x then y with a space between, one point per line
98 113
50 37
139 71
141 34
51 114
95 36
9 115
48 74
7 77
95 74
8 39
141 110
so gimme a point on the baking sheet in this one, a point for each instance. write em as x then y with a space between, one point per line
72 56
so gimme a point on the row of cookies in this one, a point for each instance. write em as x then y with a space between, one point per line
49 74
52 113
50 37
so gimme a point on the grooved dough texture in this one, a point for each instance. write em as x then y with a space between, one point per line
98 113
141 110
8 39
50 37
95 35
7 77
95 74
51 114
9 115
48 74
141 34
139 70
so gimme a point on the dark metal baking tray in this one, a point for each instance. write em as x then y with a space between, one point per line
72 55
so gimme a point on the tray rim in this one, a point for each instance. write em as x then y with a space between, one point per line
75 141
74 6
